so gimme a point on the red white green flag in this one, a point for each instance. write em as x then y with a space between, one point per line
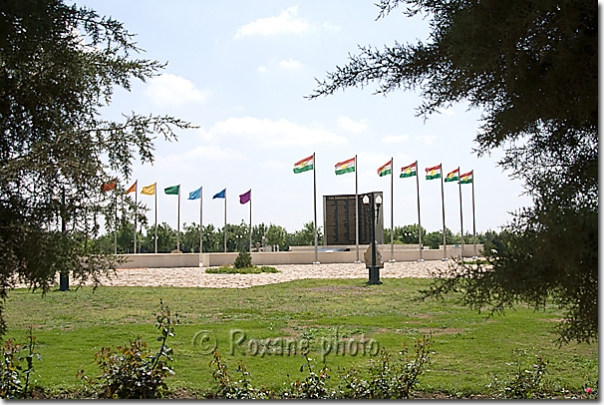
409 171
347 166
306 164
385 169
452 176
433 172
466 178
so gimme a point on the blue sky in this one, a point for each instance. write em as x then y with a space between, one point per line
240 71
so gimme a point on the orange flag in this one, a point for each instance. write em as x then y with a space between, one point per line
132 188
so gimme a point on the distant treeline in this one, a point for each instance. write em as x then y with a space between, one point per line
262 235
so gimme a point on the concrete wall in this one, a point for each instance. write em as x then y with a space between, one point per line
297 256
160 260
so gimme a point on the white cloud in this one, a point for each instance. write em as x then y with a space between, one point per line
349 125
265 132
331 27
214 152
283 23
394 138
173 90
290 64
202 133
428 139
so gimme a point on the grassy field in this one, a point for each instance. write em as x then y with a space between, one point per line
469 349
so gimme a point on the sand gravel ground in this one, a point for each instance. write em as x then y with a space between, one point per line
197 277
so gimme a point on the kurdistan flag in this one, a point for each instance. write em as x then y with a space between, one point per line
386 169
347 166
466 178
433 172
308 163
409 171
452 176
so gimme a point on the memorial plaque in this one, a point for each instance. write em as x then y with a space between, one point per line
339 218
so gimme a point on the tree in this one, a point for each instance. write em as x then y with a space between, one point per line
305 236
408 234
531 66
59 66
213 240
276 235
435 239
238 237
259 234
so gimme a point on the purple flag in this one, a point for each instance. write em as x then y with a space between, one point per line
245 197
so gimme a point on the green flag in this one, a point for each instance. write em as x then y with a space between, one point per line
173 190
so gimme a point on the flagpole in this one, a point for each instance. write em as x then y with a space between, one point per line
392 210
356 204
200 219
178 226
225 220
473 215
442 193
419 221
155 190
135 213
314 170
460 209
250 222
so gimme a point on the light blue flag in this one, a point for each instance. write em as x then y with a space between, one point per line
221 194
195 195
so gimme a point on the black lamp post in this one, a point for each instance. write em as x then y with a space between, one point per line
374 271
64 275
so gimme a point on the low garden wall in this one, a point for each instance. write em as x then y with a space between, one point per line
295 256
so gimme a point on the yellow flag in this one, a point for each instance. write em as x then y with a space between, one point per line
132 188
149 190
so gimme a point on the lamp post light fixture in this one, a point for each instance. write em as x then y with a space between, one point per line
374 270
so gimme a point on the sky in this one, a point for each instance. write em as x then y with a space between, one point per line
240 70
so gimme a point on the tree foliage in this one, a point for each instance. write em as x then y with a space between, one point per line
59 64
531 66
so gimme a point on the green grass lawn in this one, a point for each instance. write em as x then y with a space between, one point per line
468 348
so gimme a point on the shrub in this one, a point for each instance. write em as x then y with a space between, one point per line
17 367
244 270
388 378
231 388
243 260
312 387
268 269
132 371
526 382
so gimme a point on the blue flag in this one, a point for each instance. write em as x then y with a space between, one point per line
195 195
222 194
